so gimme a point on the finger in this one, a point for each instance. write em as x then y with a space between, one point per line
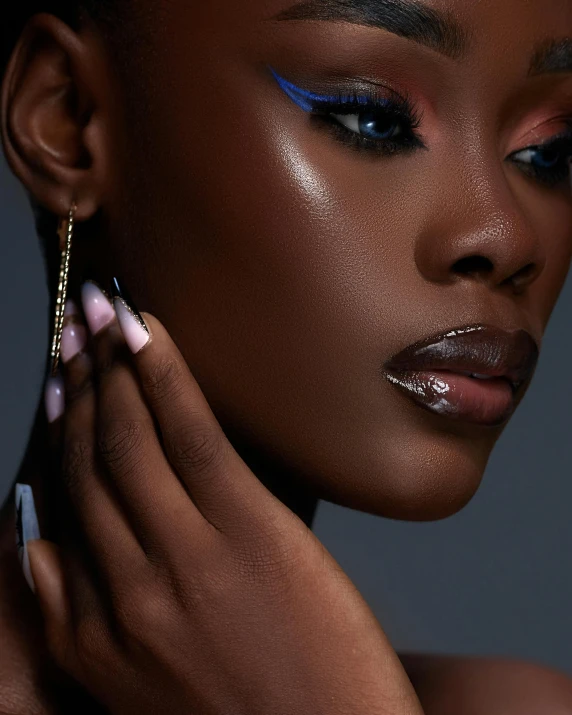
77 622
74 373
47 570
54 391
108 535
130 450
218 480
89 596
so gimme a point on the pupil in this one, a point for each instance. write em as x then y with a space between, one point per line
547 159
378 126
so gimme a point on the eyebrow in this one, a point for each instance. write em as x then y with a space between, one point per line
406 18
553 57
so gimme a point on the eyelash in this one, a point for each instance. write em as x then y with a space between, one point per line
561 146
398 110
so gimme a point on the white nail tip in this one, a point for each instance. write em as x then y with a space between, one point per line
27 527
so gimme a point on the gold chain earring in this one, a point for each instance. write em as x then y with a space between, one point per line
65 233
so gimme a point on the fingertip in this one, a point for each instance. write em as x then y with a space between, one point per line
153 324
158 342
47 569
43 548
48 575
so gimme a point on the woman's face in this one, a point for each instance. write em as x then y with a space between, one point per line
301 192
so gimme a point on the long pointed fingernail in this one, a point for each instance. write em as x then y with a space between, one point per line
54 397
74 334
96 306
133 326
27 528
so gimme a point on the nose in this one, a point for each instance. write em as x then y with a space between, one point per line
485 236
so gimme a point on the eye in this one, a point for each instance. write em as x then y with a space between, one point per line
549 163
373 124
377 120
385 127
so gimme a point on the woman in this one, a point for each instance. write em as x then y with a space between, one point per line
349 221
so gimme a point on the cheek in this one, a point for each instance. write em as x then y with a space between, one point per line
554 224
551 216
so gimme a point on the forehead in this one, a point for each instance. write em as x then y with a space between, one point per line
490 27
500 38
493 29
481 15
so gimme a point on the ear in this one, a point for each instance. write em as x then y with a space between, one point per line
53 136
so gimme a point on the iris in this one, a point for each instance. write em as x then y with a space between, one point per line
376 125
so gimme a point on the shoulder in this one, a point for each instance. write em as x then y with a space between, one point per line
455 685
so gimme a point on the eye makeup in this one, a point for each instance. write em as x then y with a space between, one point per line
549 162
308 101
377 120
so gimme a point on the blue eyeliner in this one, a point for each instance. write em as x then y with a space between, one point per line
309 100
385 125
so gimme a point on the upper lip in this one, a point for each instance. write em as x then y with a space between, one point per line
479 348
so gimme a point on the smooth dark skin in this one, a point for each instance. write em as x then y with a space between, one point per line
288 268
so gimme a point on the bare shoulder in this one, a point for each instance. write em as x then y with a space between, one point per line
455 685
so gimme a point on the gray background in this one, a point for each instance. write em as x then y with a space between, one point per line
494 579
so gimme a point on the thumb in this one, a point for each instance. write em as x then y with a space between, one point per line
46 565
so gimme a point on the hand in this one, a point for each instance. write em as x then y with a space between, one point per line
196 590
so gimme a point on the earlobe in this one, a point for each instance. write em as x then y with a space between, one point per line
47 107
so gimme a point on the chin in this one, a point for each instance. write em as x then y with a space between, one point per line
424 476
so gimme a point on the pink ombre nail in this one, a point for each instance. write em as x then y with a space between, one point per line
96 306
74 339
135 334
54 397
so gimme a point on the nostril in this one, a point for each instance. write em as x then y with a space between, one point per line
523 277
481 267
473 265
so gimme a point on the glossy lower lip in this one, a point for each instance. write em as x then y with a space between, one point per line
487 402
431 372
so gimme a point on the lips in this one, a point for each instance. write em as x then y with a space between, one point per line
474 373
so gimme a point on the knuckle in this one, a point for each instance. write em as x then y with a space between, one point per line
120 442
77 389
141 611
164 379
198 450
268 559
